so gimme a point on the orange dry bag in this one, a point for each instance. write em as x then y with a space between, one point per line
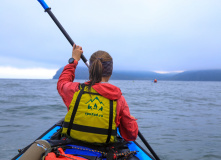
62 156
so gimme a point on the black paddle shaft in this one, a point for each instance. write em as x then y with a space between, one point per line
48 10
148 146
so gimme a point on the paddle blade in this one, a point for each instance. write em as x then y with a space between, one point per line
44 5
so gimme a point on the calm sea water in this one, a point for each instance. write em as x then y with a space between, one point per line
180 120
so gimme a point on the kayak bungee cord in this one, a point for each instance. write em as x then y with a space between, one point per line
48 10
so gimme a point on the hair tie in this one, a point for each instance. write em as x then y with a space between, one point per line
100 59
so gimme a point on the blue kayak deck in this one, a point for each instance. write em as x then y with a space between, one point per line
80 150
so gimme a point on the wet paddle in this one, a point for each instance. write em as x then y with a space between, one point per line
48 10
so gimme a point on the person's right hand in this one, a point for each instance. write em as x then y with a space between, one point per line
76 52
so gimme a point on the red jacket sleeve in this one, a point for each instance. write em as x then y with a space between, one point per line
127 124
65 86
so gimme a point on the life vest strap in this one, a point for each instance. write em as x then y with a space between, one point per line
82 85
75 110
110 121
90 129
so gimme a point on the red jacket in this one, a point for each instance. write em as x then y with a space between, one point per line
66 88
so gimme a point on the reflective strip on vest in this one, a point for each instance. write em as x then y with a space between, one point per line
91 117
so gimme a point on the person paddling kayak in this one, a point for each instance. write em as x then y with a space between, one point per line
95 108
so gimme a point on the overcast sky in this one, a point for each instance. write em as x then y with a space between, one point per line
147 35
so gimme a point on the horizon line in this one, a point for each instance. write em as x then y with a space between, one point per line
7 72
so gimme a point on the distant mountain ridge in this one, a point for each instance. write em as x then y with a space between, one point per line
198 75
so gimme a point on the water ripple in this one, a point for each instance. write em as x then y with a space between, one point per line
180 120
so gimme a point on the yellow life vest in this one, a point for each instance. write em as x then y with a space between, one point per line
91 117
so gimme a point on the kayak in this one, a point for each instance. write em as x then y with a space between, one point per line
80 150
